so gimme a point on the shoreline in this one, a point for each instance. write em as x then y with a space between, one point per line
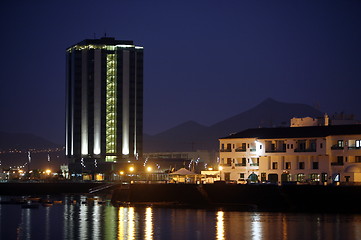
46 188
268 198
239 197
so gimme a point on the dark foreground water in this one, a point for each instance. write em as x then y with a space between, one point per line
104 221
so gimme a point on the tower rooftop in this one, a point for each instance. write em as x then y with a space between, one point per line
104 41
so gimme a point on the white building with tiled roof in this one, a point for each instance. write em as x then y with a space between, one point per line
322 154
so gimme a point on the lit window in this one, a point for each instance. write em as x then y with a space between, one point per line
288 165
315 177
324 177
263 177
300 177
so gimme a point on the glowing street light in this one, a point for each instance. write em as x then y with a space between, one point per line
48 171
220 168
131 169
149 169
121 172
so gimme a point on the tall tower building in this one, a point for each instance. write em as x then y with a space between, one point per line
104 101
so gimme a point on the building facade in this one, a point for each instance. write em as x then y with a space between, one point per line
321 154
104 101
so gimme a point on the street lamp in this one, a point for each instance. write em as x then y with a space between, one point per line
148 175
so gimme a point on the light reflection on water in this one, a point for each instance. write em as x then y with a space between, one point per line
148 224
131 225
256 227
98 221
121 228
220 225
126 223
47 221
83 228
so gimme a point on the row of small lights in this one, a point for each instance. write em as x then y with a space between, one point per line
47 171
32 150
149 169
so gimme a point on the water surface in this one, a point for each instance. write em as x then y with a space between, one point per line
104 221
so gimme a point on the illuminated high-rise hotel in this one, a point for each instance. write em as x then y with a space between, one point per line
104 102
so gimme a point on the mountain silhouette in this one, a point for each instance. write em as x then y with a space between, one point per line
191 136
269 113
24 141
183 137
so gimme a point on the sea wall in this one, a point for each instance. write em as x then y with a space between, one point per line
295 198
45 188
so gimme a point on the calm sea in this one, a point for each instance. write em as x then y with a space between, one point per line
104 221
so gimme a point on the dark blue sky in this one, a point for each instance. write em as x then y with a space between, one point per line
205 60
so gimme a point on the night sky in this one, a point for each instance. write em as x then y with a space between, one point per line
205 60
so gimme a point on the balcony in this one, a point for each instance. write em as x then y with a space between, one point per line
241 149
276 151
336 163
336 147
225 164
254 164
353 148
226 150
306 150
240 164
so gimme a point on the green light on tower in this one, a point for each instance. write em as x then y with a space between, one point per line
111 107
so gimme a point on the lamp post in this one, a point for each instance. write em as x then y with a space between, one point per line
121 173
131 170
149 170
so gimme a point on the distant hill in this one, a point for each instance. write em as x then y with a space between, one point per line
193 136
269 113
23 141
183 137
